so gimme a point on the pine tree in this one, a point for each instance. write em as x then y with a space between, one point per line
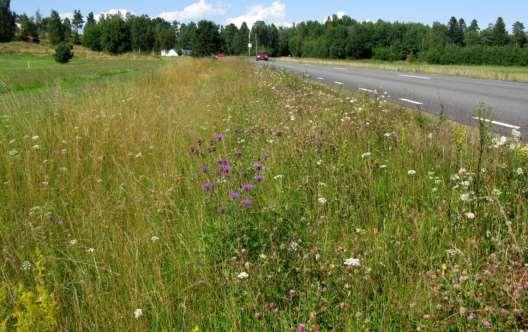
462 25
229 34
68 31
56 32
92 34
241 40
519 36
455 32
500 35
7 22
472 34
77 24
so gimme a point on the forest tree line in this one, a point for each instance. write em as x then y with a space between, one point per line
455 42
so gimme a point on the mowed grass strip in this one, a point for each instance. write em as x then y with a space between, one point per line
214 195
34 72
502 73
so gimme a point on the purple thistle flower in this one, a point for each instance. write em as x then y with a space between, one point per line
208 186
221 210
258 178
247 187
219 137
234 195
224 166
258 166
246 203
204 169
193 149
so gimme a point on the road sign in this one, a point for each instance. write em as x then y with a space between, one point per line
250 45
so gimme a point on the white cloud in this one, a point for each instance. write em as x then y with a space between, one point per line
68 15
275 13
115 11
196 10
340 14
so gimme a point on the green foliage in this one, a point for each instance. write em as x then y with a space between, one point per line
92 34
141 33
500 35
27 27
63 53
207 40
56 31
477 55
519 36
7 22
30 307
115 34
455 32
165 37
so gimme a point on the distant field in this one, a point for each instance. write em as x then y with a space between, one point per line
518 74
218 196
29 68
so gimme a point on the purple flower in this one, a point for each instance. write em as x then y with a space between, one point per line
246 203
247 187
224 166
219 137
234 195
258 178
238 154
258 166
193 149
208 186
221 210
204 169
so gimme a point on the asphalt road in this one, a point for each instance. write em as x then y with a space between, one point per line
455 97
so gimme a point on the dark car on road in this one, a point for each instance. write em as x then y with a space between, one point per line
262 56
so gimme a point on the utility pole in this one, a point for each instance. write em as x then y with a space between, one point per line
249 43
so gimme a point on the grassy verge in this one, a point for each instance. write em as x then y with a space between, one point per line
32 69
519 74
218 196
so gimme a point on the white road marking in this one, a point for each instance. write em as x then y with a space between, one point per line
366 90
498 123
321 78
339 83
339 68
411 101
417 77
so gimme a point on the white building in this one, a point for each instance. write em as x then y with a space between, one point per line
170 53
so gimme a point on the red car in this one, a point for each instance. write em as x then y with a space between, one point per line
262 56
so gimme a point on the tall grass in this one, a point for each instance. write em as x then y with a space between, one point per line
503 73
218 196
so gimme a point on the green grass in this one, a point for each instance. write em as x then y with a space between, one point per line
102 210
503 73
26 72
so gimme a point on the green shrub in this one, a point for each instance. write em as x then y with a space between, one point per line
477 55
63 53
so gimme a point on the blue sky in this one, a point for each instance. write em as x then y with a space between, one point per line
288 11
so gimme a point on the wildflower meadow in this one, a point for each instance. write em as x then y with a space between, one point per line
202 195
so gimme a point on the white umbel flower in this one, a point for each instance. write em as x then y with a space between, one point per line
352 262
138 313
